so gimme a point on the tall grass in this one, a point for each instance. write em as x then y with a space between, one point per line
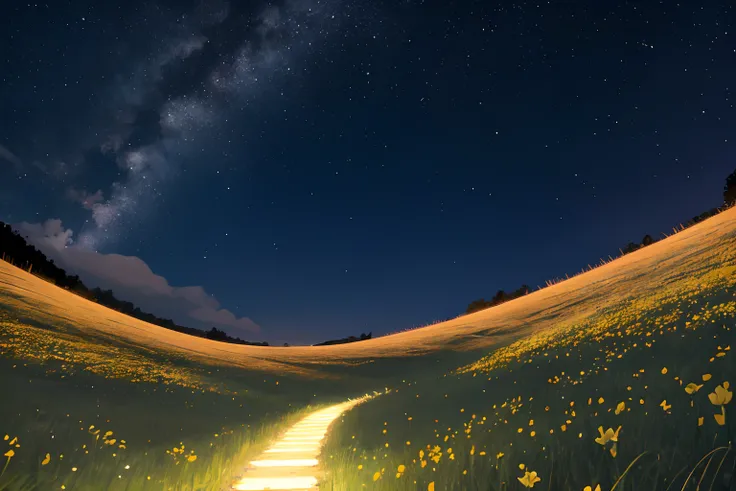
630 398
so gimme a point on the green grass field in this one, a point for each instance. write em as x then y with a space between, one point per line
620 383
651 373
62 395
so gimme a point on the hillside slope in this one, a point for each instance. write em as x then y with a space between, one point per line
24 296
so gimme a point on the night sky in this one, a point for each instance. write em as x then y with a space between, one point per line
310 169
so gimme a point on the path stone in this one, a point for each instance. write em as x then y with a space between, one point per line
292 463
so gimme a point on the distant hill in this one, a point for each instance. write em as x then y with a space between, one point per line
15 250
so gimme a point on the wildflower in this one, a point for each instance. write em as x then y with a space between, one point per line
608 436
590 488
431 486
620 407
692 388
191 458
721 395
721 418
665 406
529 479
46 460
376 476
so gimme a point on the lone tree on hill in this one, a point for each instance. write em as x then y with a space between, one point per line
729 190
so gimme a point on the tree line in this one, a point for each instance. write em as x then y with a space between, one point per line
15 249
729 199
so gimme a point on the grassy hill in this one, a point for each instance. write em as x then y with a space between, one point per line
470 400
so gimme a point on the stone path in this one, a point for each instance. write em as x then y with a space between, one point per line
292 463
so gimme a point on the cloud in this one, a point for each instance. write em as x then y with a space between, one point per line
131 279
6 154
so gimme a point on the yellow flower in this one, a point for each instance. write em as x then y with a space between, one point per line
721 418
529 479
376 476
692 388
620 407
706 377
701 420
721 395
46 460
590 488
431 486
664 371
401 468
608 436
665 406
499 455
9 454
191 458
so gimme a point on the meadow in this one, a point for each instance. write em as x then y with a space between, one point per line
83 414
634 396
614 379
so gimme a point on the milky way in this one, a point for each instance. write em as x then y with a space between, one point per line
214 62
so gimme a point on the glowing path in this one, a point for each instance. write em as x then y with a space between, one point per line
292 462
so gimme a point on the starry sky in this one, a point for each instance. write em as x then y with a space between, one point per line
301 170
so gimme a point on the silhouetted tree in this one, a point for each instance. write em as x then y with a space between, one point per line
729 190
349 339
630 247
14 248
647 240
499 298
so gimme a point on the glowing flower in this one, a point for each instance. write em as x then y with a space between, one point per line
608 436
721 395
529 479
46 460
692 388
721 418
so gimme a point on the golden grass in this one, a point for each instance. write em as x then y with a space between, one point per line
634 275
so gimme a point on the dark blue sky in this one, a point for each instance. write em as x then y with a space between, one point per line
325 168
